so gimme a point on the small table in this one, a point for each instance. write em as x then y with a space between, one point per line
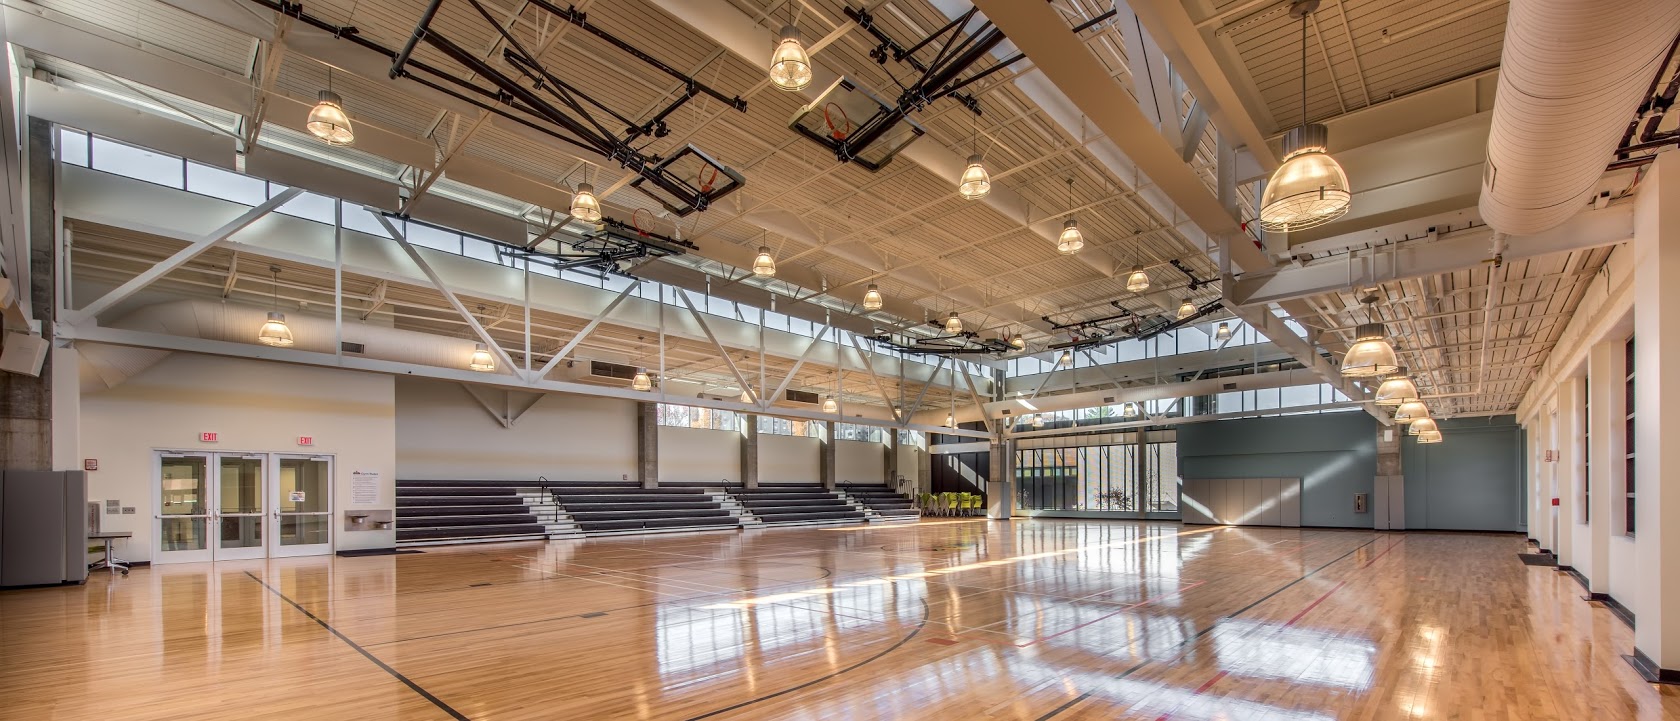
110 560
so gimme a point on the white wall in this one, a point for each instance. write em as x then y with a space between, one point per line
444 434
859 462
788 459
255 406
698 454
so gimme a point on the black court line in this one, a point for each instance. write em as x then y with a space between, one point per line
346 639
926 613
1081 697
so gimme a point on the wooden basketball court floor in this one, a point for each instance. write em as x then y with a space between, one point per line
946 619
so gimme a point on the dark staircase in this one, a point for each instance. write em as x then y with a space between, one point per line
602 509
883 503
781 505
470 511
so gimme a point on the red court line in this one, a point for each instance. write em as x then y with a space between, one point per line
1314 604
1380 555
1107 616
1199 691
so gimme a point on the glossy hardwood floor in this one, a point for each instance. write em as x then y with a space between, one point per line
940 620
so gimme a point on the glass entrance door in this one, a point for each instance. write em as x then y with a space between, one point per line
302 502
183 495
239 506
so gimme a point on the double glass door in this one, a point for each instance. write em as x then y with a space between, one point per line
226 506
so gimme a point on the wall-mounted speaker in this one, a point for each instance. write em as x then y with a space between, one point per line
23 353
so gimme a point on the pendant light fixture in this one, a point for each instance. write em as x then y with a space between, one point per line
1223 333
274 331
1129 409
1423 425
1371 355
481 359
976 182
585 206
642 382
1429 437
1038 420
1066 360
1411 411
764 266
953 324
829 406
872 298
1396 389
746 395
1071 240
790 65
1017 342
1309 189
327 120
1138 281
1186 309
950 420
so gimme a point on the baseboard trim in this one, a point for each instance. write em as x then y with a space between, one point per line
1595 596
358 552
1616 608
1649 669
1577 575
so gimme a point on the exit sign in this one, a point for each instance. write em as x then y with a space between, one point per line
306 440
209 437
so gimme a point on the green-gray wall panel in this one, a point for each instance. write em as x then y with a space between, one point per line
1472 481
1334 455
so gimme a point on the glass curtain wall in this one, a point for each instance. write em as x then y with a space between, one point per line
1099 478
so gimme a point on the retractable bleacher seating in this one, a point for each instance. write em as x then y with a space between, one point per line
884 502
466 511
613 509
785 504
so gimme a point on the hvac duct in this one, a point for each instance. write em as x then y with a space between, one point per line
1570 80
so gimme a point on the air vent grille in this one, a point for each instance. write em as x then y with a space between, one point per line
794 396
611 370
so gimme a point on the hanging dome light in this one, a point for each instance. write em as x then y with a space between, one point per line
872 298
976 182
1309 189
642 382
1423 425
1371 355
950 421
953 324
1429 437
1017 342
1066 360
1138 281
1038 420
1186 309
1129 409
328 122
1223 333
274 331
746 395
1070 240
764 266
585 206
1411 411
829 406
790 65
1396 389
481 360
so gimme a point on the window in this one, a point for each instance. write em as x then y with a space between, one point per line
140 164
218 183
676 416
73 148
772 426
1628 509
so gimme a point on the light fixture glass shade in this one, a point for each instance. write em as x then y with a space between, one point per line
1066 360
1371 355
1186 309
642 382
790 65
1411 411
1038 420
976 182
585 206
1309 189
953 324
950 421
1138 281
872 298
746 396
1071 240
481 359
764 265
1396 389
328 122
1429 437
1017 342
1129 409
1422 426
274 331
1223 332
829 406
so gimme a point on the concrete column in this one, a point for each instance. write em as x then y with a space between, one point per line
889 459
647 444
749 452
1656 483
1000 482
1566 468
1388 504
26 402
825 467
1606 371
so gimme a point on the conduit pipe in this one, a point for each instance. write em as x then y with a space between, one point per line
1571 76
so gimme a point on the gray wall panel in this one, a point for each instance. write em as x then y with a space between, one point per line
1334 455
1472 481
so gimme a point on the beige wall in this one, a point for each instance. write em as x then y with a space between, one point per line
444 434
699 454
859 462
255 406
788 459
